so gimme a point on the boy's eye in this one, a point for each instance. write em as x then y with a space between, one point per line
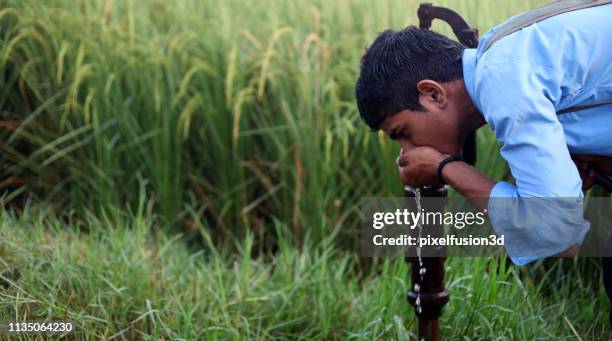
398 134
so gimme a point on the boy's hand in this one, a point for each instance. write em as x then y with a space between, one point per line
417 167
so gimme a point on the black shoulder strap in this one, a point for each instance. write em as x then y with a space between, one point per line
584 107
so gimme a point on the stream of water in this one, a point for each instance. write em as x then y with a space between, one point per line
422 269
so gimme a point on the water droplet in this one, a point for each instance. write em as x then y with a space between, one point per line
422 271
419 309
417 287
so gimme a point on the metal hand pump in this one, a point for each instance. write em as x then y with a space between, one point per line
432 293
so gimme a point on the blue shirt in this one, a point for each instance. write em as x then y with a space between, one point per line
518 85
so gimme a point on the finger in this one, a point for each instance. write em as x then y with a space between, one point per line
401 161
405 178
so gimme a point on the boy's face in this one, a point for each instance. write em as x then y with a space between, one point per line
424 128
443 124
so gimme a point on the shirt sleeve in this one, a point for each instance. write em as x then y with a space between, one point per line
542 214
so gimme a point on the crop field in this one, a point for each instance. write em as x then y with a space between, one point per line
194 169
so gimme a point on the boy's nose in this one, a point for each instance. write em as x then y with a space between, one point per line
406 146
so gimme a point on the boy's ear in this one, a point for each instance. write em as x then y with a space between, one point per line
433 91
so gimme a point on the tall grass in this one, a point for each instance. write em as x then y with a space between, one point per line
239 111
127 280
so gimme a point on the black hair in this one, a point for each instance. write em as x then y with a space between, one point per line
394 64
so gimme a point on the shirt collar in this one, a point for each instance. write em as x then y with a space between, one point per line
469 69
